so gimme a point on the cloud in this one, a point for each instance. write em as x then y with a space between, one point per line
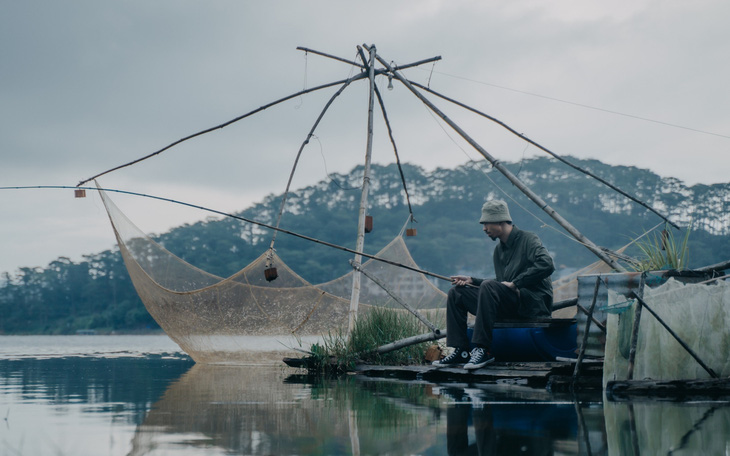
91 85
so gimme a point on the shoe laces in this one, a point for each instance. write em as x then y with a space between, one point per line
455 354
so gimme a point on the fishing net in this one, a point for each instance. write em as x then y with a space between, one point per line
699 315
226 320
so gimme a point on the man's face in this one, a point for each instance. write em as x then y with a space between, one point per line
493 230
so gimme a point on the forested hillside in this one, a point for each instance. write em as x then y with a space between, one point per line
97 294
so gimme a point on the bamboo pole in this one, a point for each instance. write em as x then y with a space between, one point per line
715 267
600 325
355 297
507 173
420 62
582 428
635 330
558 157
589 318
633 433
223 125
565 303
364 65
397 345
334 57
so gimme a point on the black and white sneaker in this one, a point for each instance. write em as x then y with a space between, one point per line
457 358
479 358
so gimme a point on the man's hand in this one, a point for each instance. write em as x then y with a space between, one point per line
460 281
512 286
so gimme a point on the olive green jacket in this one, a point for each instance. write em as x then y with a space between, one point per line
524 261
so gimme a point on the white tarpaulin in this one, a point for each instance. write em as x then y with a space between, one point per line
698 314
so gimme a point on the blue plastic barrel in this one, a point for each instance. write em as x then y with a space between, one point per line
534 344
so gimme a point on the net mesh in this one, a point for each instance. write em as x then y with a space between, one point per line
221 320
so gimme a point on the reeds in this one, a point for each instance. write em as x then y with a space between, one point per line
379 326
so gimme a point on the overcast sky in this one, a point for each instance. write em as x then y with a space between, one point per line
89 85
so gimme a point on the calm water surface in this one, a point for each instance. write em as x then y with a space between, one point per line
140 395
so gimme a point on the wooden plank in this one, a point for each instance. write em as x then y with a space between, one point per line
668 389
531 375
534 374
534 323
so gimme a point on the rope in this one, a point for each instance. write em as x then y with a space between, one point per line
646 119
715 279
301 149
417 314
395 150
306 319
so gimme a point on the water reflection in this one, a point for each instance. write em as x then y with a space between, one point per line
162 404
260 410
495 419
79 405
487 439
125 386
655 427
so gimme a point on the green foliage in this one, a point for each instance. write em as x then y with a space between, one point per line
66 297
96 293
661 251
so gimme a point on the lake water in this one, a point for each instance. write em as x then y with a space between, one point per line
140 395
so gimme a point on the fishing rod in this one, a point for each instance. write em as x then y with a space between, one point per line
237 217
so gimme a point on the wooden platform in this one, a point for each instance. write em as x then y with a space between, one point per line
556 375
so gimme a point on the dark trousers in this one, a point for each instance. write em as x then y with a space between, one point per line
457 430
492 300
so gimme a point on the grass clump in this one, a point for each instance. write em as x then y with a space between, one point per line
379 326
663 251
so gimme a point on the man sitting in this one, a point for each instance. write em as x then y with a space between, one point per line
522 289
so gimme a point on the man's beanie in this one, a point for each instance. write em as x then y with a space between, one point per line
495 211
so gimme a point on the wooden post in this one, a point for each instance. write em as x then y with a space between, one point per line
589 318
355 297
590 315
633 431
635 330
582 428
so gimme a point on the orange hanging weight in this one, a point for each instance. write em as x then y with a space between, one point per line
368 223
270 274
